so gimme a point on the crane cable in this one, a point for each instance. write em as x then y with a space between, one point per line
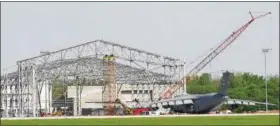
204 54
270 29
211 49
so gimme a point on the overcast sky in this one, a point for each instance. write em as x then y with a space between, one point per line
181 30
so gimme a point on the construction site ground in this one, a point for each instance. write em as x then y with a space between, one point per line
205 119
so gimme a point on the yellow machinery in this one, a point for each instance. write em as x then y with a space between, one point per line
127 110
58 113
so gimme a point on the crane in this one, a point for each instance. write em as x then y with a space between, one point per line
229 40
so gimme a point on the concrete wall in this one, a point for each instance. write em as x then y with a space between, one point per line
46 98
91 96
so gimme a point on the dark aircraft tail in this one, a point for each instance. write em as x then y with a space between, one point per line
224 83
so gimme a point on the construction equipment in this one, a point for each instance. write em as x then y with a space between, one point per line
58 113
132 111
137 101
139 110
174 87
127 110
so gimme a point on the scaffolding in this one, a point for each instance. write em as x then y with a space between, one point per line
110 84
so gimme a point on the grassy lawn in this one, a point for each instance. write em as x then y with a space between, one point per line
216 120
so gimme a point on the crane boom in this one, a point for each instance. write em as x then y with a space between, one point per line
127 110
174 87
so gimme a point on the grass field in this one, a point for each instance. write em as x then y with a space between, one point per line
192 120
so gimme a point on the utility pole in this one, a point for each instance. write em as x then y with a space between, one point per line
184 74
265 51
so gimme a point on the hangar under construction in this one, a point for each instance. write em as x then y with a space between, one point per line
97 75
92 75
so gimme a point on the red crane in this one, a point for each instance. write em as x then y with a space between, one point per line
174 87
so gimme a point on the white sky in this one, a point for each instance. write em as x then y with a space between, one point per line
183 30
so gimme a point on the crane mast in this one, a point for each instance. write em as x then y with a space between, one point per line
174 87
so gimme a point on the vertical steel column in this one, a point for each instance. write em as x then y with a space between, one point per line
46 95
29 97
77 95
130 79
64 94
5 94
49 96
19 88
161 88
138 91
147 86
143 91
34 92
80 96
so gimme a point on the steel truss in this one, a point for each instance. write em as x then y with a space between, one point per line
133 66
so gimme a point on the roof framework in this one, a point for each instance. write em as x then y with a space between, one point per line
133 66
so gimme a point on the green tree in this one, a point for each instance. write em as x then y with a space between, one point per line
245 86
205 79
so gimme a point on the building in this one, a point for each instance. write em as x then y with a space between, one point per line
92 96
27 90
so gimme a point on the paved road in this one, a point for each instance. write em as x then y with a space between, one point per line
144 116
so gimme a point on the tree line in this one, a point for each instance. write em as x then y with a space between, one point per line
245 86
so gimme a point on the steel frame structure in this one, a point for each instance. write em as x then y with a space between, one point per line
133 66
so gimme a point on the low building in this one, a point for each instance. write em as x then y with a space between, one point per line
92 96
